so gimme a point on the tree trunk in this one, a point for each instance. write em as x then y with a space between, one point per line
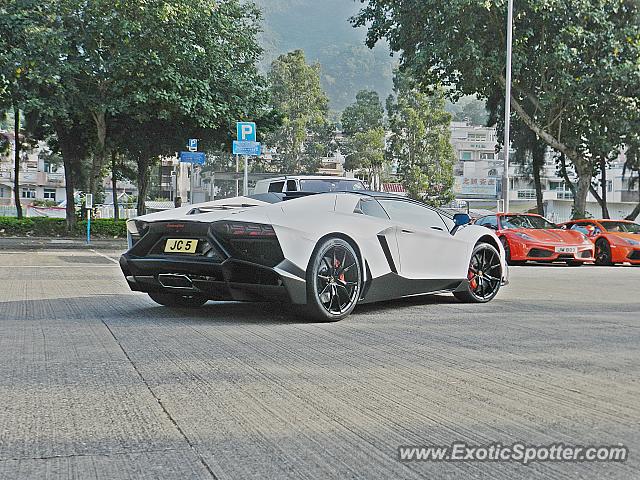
16 159
99 157
537 154
114 187
67 141
143 184
580 198
603 186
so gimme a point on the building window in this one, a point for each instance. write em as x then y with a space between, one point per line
50 194
554 186
465 156
609 186
526 194
487 156
477 137
28 193
1 192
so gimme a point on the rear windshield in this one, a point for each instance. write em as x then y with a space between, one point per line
319 185
526 221
627 227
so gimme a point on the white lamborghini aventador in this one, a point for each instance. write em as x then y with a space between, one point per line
328 252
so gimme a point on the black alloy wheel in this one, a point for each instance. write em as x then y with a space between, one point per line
177 300
484 277
333 280
603 253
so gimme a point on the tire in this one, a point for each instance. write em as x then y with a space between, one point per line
175 300
603 253
574 263
334 281
480 286
507 253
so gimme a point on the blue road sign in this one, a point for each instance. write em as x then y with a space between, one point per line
193 145
246 131
252 149
193 157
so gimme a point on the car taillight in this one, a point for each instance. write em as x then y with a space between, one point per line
247 230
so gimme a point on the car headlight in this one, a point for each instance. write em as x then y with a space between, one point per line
524 235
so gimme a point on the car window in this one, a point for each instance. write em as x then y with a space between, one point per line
276 186
626 227
330 185
413 214
291 186
491 222
371 207
526 222
481 221
582 228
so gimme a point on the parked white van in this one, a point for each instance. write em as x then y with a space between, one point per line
308 183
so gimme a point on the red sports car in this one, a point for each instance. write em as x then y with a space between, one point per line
616 241
527 237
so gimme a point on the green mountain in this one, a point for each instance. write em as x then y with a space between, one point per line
321 28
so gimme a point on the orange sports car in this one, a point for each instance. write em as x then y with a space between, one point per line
528 237
616 241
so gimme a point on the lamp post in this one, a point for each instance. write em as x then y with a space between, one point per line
507 108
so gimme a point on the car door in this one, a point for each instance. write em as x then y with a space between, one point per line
426 248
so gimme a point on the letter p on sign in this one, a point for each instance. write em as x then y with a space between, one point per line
246 131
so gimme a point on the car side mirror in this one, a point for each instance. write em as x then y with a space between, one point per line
461 219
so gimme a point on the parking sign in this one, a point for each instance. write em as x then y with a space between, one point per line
246 131
193 145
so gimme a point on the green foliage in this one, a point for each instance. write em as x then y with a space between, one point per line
297 95
420 142
575 64
472 110
365 114
363 128
366 151
57 227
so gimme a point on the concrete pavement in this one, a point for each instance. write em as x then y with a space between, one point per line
99 382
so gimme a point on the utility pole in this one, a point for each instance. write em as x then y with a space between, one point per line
507 108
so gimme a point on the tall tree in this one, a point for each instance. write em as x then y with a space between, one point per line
364 142
366 113
297 94
20 67
420 141
574 63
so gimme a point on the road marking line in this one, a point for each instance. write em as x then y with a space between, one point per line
106 256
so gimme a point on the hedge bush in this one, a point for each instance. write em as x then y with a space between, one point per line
57 227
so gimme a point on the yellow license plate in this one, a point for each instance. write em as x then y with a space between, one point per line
180 245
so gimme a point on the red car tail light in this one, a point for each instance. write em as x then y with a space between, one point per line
250 230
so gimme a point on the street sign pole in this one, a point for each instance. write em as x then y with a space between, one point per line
237 179
245 183
88 205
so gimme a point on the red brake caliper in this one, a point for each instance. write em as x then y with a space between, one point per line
337 265
472 280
